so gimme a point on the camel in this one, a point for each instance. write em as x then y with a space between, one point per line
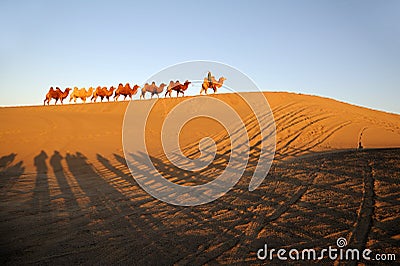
171 85
153 89
179 88
102 92
215 84
80 93
56 94
125 91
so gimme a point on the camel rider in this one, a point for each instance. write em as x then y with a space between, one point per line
209 77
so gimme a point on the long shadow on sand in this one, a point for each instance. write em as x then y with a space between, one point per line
96 214
10 174
9 171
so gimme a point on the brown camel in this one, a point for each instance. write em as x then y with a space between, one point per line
171 85
102 92
125 91
179 88
56 94
80 93
153 89
215 84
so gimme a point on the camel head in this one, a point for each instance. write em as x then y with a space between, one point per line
221 80
161 87
186 84
66 92
135 89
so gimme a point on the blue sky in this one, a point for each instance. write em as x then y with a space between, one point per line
346 50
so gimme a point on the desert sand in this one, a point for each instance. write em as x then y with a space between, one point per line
67 196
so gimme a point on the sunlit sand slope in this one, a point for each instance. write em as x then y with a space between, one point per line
67 196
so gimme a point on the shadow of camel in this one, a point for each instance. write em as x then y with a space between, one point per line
83 208
9 172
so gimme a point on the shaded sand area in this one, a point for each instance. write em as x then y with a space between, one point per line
67 196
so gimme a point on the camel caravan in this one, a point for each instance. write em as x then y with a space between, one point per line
128 91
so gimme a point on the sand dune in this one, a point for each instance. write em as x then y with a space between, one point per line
67 195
